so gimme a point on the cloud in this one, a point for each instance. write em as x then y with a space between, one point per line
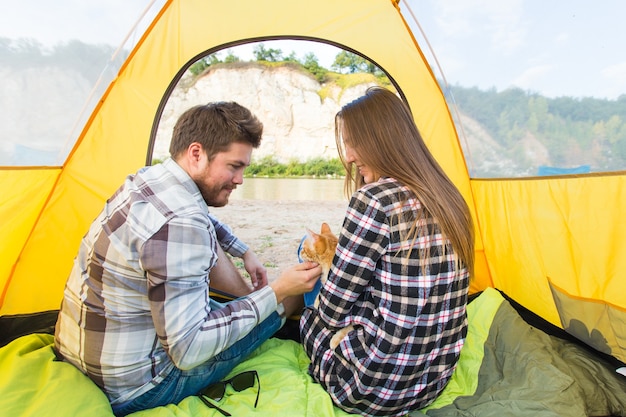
453 19
562 38
532 76
498 23
506 26
615 73
615 76
63 20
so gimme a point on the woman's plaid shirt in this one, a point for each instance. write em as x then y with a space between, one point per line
409 317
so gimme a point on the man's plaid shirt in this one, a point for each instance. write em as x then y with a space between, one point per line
136 303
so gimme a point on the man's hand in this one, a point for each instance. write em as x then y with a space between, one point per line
296 280
258 273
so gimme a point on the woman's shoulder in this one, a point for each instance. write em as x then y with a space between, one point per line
387 196
387 190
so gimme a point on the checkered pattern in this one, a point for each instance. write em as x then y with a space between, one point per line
409 315
137 303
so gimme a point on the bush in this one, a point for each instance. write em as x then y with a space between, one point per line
316 167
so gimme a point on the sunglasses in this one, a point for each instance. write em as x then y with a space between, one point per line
239 383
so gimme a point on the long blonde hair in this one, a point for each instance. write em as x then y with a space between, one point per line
381 129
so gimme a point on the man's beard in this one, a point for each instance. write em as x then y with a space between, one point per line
215 197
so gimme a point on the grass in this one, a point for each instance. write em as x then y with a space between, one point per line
270 167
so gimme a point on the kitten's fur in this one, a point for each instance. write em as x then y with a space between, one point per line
320 248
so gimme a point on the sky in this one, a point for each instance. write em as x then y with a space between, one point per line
555 48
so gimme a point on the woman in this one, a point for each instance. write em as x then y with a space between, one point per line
400 275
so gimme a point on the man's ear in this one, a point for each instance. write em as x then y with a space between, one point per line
191 157
195 152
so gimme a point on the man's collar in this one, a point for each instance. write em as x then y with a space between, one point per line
181 175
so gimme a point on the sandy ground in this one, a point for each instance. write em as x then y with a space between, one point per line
273 229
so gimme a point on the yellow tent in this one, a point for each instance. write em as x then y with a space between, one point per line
554 244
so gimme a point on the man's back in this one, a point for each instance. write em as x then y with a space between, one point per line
105 325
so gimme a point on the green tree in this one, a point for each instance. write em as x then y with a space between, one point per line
21 53
618 149
88 59
292 58
270 55
348 62
231 57
538 117
312 65
203 63
352 63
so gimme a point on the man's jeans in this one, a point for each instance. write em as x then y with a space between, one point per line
181 384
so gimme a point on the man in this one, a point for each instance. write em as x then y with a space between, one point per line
136 315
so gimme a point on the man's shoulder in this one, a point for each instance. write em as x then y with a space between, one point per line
156 195
167 186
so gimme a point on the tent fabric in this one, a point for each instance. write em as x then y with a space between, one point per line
24 193
561 230
33 379
506 367
115 140
596 323
526 372
35 383
564 230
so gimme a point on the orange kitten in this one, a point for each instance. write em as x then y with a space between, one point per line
320 248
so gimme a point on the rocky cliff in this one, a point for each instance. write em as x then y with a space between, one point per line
298 115
39 108
297 111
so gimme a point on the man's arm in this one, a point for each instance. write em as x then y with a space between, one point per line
236 247
177 260
227 239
